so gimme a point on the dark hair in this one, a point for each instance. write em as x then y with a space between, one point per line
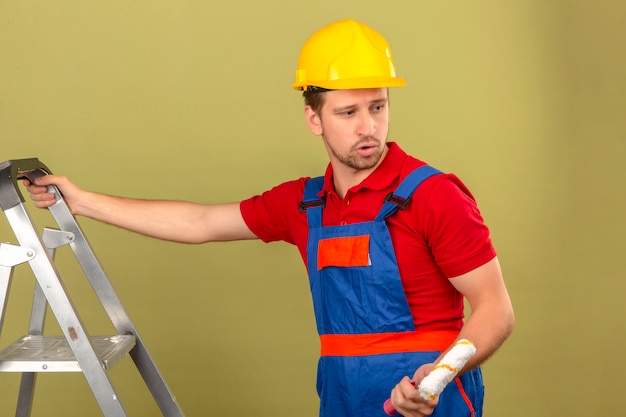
314 97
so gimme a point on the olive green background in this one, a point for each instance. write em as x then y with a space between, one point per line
524 100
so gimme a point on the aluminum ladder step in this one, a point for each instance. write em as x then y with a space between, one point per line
53 354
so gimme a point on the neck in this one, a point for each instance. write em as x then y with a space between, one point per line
346 177
344 182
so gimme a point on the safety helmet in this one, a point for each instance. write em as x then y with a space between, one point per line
346 55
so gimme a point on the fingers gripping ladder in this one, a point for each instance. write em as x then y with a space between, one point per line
75 350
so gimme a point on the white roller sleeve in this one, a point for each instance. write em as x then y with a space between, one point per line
447 369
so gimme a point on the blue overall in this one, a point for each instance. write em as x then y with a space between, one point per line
358 296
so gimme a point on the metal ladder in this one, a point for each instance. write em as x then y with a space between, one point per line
76 350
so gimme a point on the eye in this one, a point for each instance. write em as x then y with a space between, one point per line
378 107
346 112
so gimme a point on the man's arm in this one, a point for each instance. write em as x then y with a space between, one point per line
492 319
490 323
178 221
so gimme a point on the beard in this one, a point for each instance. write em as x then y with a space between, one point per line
353 159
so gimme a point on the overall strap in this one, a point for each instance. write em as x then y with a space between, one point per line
398 199
312 203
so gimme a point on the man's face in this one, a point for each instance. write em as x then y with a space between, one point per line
354 126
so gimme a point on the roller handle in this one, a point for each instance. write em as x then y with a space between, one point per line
389 408
13 170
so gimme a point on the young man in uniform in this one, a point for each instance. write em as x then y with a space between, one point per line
392 246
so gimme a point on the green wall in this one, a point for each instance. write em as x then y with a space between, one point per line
525 100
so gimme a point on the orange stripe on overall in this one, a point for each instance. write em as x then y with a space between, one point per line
381 343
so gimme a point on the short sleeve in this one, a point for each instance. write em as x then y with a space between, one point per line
455 230
274 215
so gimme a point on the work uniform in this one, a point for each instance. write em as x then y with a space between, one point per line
371 334
365 325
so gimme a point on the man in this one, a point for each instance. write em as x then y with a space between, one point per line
392 246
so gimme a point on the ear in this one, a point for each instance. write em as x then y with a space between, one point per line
313 121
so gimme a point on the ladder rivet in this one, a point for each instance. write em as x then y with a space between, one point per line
44 367
30 254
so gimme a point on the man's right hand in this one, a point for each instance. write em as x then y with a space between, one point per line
39 191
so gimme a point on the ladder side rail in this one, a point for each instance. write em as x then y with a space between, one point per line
40 303
65 312
10 196
6 275
52 239
10 257
29 379
26 394
35 327
91 266
120 319
161 392
38 311
27 383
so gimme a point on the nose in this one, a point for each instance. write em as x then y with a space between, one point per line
366 125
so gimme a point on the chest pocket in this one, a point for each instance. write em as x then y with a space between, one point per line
346 251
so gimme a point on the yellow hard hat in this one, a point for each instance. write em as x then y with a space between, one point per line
346 55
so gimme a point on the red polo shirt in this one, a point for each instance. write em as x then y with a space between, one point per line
440 234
